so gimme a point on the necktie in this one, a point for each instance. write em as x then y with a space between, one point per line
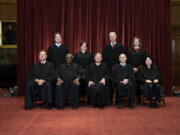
113 45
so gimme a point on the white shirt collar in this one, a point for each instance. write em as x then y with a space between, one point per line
123 64
58 44
113 43
83 52
43 62
97 64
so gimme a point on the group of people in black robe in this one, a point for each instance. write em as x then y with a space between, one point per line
59 76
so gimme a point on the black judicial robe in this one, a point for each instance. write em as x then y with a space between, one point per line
153 89
111 55
68 73
57 55
119 73
84 60
136 58
39 71
95 74
151 73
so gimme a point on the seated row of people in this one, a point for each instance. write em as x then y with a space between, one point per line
98 80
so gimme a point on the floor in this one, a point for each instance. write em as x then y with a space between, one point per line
89 121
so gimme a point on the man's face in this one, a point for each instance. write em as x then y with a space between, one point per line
112 37
122 58
42 56
98 58
58 38
69 59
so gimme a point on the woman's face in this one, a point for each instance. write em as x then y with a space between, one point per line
84 47
136 42
148 61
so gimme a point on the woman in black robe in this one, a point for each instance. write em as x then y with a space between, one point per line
150 77
84 59
136 58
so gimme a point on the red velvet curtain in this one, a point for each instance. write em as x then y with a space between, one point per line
92 20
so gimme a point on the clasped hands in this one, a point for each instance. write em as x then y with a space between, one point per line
40 81
149 81
103 81
60 81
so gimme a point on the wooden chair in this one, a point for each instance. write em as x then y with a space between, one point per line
125 98
162 100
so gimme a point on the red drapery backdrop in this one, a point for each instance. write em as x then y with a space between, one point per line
92 20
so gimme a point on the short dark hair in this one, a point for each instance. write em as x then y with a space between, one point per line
82 42
150 57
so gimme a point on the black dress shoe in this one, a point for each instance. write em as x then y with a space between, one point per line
49 107
60 107
101 106
120 106
130 104
74 107
27 108
154 105
95 106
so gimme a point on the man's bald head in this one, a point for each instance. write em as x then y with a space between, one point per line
122 58
42 55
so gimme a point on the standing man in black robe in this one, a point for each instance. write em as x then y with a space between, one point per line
57 52
56 55
112 50
68 77
122 78
98 76
39 83
84 59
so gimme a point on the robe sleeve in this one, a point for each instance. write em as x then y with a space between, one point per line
140 75
114 76
107 74
58 73
50 76
31 74
89 74
131 74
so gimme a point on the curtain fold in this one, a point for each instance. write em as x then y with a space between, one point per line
92 20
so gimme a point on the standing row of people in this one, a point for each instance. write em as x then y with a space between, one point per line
63 74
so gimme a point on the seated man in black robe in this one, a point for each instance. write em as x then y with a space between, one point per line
123 77
39 83
150 78
98 75
68 77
